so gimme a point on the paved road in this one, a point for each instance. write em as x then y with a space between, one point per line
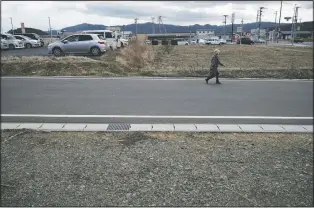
137 96
41 51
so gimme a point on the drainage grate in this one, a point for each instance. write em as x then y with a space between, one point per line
119 127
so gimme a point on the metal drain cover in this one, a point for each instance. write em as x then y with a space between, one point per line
119 127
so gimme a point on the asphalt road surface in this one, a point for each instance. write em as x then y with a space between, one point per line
40 51
161 97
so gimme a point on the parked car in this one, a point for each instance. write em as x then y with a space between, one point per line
28 42
193 42
298 40
222 41
213 41
4 44
33 36
201 41
182 42
246 41
260 41
12 41
79 44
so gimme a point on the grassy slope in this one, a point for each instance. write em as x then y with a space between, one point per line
144 60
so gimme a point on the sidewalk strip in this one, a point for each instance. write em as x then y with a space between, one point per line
249 128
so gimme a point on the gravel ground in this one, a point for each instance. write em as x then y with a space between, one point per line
155 169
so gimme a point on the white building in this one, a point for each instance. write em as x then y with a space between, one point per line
205 33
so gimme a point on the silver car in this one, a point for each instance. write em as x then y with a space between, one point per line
28 42
79 44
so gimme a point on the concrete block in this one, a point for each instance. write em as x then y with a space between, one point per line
184 127
96 127
10 125
251 128
74 127
293 128
141 127
207 128
163 127
309 128
229 128
30 126
272 128
52 126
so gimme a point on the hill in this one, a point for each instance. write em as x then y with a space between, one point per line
29 30
305 26
147 27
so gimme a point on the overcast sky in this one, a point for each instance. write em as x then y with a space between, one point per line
68 13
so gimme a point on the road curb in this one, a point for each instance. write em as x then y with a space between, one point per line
147 78
245 128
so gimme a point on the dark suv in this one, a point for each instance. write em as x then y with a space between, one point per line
33 36
246 41
298 40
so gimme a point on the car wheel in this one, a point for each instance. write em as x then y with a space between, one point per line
186 44
95 51
28 45
57 52
11 47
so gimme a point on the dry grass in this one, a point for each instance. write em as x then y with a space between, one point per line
138 55
146 60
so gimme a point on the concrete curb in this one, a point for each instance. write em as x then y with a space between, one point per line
171 78
247 128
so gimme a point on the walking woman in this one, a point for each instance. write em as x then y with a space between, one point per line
214 67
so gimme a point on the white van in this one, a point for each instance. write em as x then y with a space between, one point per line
110 37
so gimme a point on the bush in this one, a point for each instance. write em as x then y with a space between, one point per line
137 55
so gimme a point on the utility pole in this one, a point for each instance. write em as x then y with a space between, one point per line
225 22
123 31
274 34
279 20
296 21
260 19
232 21
161 24
241 34
135 21
257 18
12 25
153 19
50 28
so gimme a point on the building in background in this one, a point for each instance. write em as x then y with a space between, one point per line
255 33
205 33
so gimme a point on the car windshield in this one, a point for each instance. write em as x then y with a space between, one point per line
25 37
36 36
11 37
101 37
